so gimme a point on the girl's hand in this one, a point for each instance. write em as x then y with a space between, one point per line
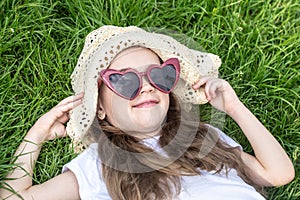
51 125
219 94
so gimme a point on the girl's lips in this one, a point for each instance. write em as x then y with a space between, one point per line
146 104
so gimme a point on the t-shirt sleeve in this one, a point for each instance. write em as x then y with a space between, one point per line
87 169
225 138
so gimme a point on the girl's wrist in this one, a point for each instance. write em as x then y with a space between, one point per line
35 136
238 109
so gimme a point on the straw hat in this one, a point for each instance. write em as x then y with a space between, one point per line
103 44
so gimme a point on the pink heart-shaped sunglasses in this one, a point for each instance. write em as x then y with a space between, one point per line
128 83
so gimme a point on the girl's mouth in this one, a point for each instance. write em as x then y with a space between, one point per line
146 104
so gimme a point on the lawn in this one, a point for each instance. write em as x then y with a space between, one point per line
258 42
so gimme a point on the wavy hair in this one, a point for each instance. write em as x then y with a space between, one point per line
135 171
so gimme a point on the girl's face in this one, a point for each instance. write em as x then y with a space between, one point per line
143 116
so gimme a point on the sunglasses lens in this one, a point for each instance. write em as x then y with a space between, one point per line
164 78
126 85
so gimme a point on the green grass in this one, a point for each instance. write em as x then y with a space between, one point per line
258 42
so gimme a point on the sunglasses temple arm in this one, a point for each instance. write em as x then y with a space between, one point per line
99 82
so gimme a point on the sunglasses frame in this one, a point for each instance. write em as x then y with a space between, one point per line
104 76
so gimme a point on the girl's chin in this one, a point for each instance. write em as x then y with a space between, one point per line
143 131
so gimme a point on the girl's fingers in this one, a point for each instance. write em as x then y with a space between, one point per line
218 92
210 89
65 109
216 86
60 111
64 118
211 86
53 121
71 99
202 81
69 106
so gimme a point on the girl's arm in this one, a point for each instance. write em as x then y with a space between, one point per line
271 165
19 181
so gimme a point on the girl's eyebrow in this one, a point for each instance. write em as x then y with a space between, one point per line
121 70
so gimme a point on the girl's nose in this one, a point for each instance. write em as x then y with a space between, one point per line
146 87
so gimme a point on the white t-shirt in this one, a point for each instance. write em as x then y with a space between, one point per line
87 169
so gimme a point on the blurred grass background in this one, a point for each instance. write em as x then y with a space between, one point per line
258 42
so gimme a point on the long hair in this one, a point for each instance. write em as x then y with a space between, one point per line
133 170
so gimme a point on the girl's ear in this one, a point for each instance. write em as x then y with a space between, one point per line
100 111
101 116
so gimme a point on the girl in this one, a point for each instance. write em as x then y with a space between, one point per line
142 144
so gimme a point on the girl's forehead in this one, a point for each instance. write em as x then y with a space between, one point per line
134 57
